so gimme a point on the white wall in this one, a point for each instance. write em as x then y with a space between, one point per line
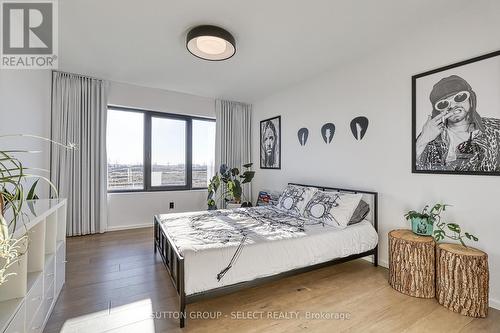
379 87
129 210
25 108
124 94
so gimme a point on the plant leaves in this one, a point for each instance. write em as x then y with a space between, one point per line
454 227
471 237
211 205
247 176
438 235
31 206
31 193
223 169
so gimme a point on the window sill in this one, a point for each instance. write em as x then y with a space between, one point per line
157 191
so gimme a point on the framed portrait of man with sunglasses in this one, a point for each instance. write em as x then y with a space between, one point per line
456 118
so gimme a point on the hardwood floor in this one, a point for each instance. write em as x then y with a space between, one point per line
114 283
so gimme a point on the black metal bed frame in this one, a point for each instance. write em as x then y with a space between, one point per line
174 261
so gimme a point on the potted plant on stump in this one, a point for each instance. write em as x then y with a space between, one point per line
422 223
232 189
462 273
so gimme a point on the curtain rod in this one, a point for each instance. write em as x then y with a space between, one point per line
77 74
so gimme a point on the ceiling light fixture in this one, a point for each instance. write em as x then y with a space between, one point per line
209 42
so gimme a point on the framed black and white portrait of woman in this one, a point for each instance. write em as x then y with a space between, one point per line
456 118
270 143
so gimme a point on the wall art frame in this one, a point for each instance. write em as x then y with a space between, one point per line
456 118
270 143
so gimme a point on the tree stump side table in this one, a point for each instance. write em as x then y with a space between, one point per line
412 263
462 282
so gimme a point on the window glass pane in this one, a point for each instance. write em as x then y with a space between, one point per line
168 152
125 136
203 152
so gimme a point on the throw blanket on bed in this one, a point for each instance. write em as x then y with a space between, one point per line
226 228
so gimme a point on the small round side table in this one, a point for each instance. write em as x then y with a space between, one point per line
462 280
411 263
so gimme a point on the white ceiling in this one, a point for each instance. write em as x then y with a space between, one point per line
279 42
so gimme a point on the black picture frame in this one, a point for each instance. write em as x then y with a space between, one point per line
276 122
415 134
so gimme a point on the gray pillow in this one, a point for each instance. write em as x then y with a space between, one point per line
360 213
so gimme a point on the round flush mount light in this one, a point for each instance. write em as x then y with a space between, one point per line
210 43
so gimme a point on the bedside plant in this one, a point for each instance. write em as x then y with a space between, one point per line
423 224
232 181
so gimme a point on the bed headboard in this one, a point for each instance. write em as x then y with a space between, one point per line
370 198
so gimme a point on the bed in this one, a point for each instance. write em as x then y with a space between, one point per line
218 252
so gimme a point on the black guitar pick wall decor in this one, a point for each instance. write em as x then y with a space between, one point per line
327 132
302 134
359 125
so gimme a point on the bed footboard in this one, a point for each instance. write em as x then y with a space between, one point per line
174 263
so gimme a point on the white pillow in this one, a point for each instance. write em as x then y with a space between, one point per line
294 198
332 208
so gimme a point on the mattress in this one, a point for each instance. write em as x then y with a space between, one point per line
225 247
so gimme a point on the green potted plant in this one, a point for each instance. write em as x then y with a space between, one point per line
232 191
422 223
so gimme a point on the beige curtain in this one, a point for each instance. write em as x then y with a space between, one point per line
233 137
79 109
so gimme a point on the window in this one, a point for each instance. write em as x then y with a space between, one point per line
203 152
153 151
168 152
125 140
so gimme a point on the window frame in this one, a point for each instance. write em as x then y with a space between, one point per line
147 141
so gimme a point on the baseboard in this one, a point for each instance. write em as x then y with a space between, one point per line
381 262
129 226
494 303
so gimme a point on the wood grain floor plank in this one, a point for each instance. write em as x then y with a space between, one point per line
116 284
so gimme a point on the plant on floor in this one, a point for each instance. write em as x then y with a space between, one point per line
423 224
13 179
232 186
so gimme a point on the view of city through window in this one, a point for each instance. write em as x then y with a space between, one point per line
203 152
168 152
125 150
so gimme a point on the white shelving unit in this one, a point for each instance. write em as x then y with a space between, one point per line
27 298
